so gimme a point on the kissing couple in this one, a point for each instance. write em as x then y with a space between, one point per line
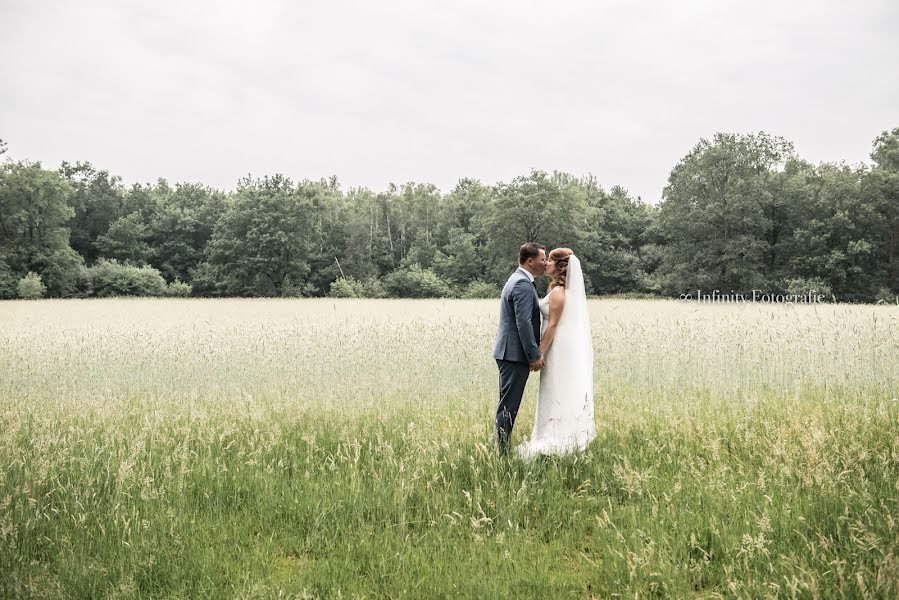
550 336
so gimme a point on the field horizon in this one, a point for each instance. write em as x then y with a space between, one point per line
319 448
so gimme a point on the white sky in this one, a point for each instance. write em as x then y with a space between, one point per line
396 91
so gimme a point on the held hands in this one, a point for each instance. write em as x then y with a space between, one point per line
537 365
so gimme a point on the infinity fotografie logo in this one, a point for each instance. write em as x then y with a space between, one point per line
811 297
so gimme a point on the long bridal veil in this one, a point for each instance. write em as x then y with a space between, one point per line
564 418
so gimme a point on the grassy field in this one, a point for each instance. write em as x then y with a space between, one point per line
319 448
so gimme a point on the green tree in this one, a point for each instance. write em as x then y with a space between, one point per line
414 282
178 289
33 233
884 183
467 208
886 150
261 244
8 281
462 233
419 211
97 200
841 235
112 278
332 235
480 289
366 250
31 287
180 228
459 262
537 208
347 287
716 217
126 240
611 239
410 215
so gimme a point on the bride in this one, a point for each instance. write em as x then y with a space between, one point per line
564 419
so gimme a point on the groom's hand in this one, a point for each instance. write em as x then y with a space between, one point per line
536 365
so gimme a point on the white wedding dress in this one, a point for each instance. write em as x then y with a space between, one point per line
564 419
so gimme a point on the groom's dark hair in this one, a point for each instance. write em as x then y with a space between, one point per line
529 250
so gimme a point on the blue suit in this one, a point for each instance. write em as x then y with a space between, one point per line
517 344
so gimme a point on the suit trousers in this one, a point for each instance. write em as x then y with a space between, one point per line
512 378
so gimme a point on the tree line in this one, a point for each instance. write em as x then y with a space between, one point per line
739 212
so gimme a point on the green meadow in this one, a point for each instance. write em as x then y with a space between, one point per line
184 448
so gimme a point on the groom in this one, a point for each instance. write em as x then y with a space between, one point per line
516 348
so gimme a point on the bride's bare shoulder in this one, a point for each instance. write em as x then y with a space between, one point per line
557 296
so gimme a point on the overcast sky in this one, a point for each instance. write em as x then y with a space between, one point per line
396 91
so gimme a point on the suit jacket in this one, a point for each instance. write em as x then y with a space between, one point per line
518 337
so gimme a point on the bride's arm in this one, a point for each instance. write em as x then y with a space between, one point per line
556 306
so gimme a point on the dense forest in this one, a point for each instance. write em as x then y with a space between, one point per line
739 212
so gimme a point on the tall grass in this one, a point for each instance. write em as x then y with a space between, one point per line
320 448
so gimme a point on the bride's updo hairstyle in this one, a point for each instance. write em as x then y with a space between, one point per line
560 255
